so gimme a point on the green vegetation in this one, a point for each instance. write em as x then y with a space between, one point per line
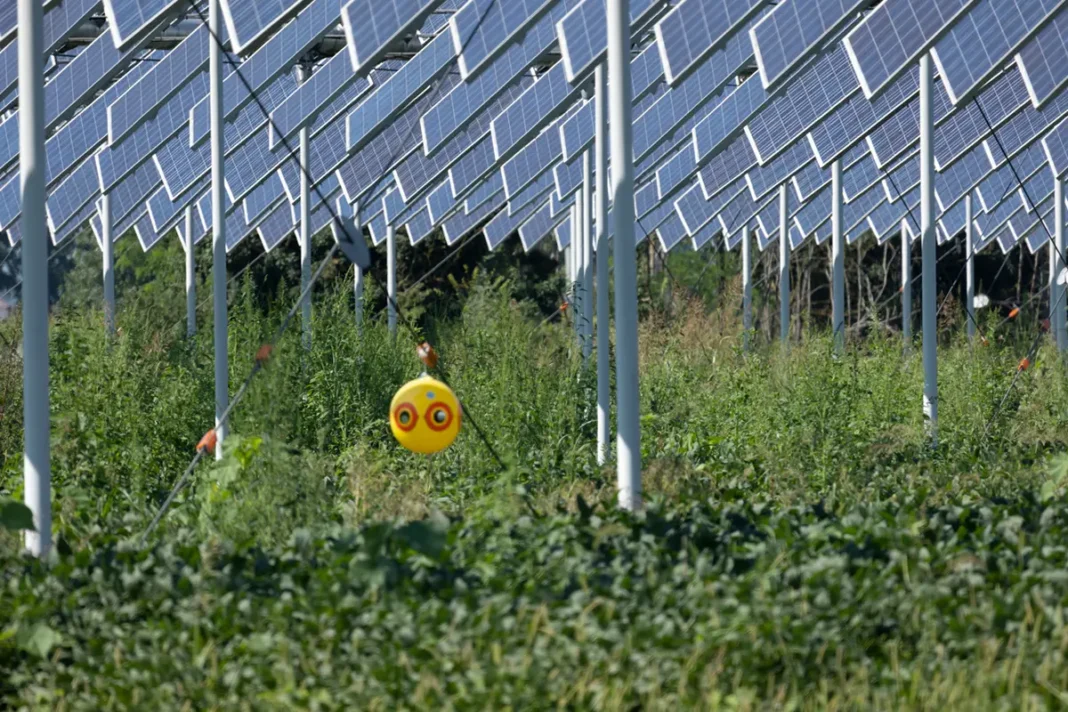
802 546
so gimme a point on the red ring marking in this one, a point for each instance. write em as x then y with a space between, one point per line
412 421
438 427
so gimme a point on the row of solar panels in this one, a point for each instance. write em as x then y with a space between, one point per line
475 114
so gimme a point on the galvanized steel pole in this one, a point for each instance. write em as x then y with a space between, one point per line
586 253
391 279
107 249
305 242
929 247
190 275
969 267
747 291
218 228
628 440
906 287
837 260
604 396
1059 321
35 424
784 265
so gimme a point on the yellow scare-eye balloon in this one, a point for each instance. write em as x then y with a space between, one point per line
425 415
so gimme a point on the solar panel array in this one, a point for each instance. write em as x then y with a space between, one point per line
462 115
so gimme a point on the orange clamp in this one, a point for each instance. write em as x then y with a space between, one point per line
1025 363
1014 313
563 307
208 442
427 355
263 355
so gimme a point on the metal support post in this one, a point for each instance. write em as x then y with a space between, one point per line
837 260
628 440
391 279
218 228
305 242
747 291
1059 321
107 249
969 267
929 248
190 275
906 287
604 396
586 255
37 475
784 265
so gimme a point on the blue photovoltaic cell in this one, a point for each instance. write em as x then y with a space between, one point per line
146 234
131 193
727 167
764 179
117 162
394 94
367 170
418 171
1055 144
167 213
483 29
248 21
540 224
461 224
276 227
450 115
671 232
676 173
1023 128
440 203
130 20
505 223
67 199
646 72
59 21
331 89
73 226
562 232
1042 60
984 39
959 179
533 160
485 191
469 170
895 34
695 28
793 30
728 118
546 99
584 38
568 179
847 125
165 78
418 227
79 81
233 223
393 206
531 193
262 199
687 96
373 26
277 56
819 89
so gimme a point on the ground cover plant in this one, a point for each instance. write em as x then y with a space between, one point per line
802 546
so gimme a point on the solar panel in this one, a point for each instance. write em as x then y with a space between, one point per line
688 95
819 90
540 224
794 30
131 20
394 94
671 232
365 171
372 27
146 234
274 58
1023 128
167 213
236 227
482 29
166 77
68 198
676 173
506 223
75 225
59 21
546 99
321 98
729 165
893 36
118 161
460 224
764 179
262 199
727 120
276 226
249 21
695 28
984 39
80 80
583 35
450 114
128 197
418 227
1042 59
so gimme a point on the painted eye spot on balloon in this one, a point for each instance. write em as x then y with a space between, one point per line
430 395
439 417
406 416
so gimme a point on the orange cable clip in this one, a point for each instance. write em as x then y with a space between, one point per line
208 442
427 355
263 355
1025 363
1014 313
